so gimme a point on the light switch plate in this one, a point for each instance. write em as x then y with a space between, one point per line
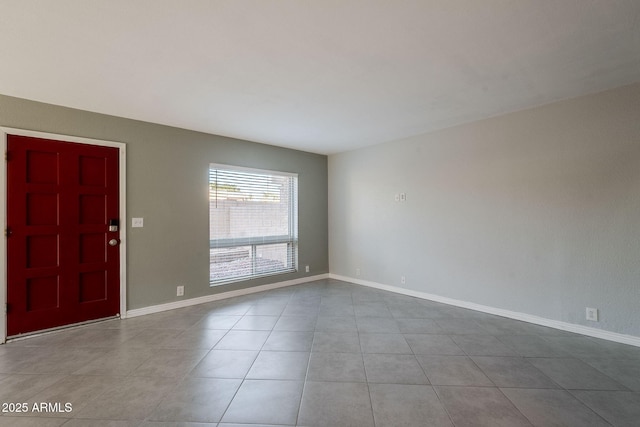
137 222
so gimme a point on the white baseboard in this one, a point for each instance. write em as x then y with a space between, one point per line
223 295
556 324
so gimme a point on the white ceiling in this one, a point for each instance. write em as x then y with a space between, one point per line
323 76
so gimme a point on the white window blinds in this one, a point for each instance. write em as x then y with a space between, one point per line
253 223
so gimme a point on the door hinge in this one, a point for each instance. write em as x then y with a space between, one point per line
6 156
6 308
7 232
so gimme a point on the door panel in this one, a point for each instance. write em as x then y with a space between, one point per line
60 268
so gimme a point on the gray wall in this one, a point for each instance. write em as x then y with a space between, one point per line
167 184
536 212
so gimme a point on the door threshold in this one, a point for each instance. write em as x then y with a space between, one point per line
40 333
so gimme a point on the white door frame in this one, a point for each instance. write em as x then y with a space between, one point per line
4 132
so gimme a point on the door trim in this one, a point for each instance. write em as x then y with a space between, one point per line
4 132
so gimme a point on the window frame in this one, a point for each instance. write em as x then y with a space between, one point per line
290 239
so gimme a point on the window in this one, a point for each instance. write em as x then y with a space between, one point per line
253 223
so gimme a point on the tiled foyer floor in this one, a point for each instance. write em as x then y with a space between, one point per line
324 354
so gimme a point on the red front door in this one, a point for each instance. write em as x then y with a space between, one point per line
61 267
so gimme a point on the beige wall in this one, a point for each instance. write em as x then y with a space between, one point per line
536 212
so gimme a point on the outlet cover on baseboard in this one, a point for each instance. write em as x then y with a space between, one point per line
592 314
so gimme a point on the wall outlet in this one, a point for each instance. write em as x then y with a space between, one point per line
403 197
397 197
357 271
592 314
306 268
403 280
180 291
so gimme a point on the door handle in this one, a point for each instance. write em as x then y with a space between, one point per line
113 242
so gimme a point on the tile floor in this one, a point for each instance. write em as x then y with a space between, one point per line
327 354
